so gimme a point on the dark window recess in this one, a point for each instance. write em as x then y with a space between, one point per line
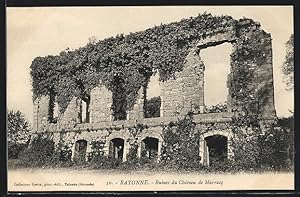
85 110
119 105
53 110
152 107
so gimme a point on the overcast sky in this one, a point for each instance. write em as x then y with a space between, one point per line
33 32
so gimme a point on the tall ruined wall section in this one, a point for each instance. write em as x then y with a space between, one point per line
259 62
101 101
250 85
71 115
40 112
265 82
184 92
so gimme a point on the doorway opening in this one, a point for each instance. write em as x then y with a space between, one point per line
116 148
80 150
149 148
216 147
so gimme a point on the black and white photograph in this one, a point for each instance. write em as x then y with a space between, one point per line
150 98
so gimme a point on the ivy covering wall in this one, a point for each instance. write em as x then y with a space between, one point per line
137 56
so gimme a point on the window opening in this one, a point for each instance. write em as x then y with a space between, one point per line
217 68
53 110
152 99
85 110
119 100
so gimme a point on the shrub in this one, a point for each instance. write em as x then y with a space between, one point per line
105 162
65 154
275 149
14 149
132 153
180 148
39 153
97 154
98 160
264 149
216 108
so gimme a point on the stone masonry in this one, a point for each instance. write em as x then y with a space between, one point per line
180 95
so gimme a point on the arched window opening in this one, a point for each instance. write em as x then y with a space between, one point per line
53 110
216 149
119 104
149 148
116 148
217 68
152 99
85 110
80 150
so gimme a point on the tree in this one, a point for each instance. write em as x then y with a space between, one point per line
288 65
18 129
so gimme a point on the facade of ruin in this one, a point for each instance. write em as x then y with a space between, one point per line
179 95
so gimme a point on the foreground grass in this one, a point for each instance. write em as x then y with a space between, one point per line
16 164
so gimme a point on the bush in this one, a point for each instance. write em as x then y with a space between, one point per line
65 154
275 149
104 162
180 149
216 108
98 160
14 149
39 152
132 153
264 150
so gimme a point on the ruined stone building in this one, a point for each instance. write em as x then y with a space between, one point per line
91 119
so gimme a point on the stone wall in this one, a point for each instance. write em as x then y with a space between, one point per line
179 95
106 135
40 112
265 82
100 105
184 93
137 112
70 117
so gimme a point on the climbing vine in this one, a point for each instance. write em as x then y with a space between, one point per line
133 58
250 94
180 148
